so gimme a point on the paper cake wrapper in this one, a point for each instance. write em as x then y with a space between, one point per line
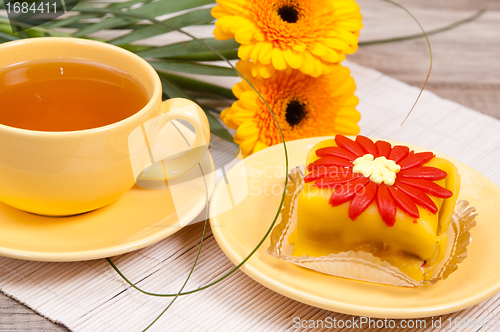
363 265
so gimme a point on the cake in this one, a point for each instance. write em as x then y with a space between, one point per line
392 202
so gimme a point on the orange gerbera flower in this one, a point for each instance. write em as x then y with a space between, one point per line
304 106
308 35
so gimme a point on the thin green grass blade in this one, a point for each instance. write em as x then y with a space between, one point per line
196 17
126 4
173 91
152 9
207 56
197 255
68 22
135 48
430 32
170 89
108 23
5 26
155 21
60 7
192 68
186 48
7 37
430 54
216 127
23 34
195 85
81 25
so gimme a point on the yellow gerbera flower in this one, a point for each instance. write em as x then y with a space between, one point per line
304 106
309 35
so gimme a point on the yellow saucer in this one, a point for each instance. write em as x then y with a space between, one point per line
239 230
137 219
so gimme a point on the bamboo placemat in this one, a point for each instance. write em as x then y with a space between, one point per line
90 296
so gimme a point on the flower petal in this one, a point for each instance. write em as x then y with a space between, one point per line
318 68
244 51
383 148
238 89
219 34
335 151
259 35
247 129
293 58
307 63
398 153
249 99
244 35
278 59
404 202
219 12
362 200
318 49
266 71
232 6
424 172
329 161
336 180
367 145
259 146
299 47
326 172
386 205
414 160
418 197
226 116
254 55
349 145
248 145
428 186
266 53
346 126
336 44
346 191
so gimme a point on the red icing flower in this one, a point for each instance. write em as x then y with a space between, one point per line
412 186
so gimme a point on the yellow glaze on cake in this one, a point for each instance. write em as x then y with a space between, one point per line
323 230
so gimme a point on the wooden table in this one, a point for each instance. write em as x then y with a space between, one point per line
466 70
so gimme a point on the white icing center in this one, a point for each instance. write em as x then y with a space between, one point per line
378 170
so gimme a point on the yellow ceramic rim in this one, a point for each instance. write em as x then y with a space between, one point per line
121 248
44 42
330 303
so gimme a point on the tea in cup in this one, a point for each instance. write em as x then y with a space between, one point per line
70 111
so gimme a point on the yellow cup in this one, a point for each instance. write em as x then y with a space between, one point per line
71 172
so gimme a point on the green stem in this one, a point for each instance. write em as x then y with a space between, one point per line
206 56
6 33
35 31
135 48
211 109
430 56
200 95
195 85
197 255
431 32
155 21
32 30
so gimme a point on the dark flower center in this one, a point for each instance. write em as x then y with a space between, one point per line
288 14
295 112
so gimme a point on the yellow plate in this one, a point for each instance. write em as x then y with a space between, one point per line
239 230
137 219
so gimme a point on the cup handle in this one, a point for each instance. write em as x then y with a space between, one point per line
180 108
